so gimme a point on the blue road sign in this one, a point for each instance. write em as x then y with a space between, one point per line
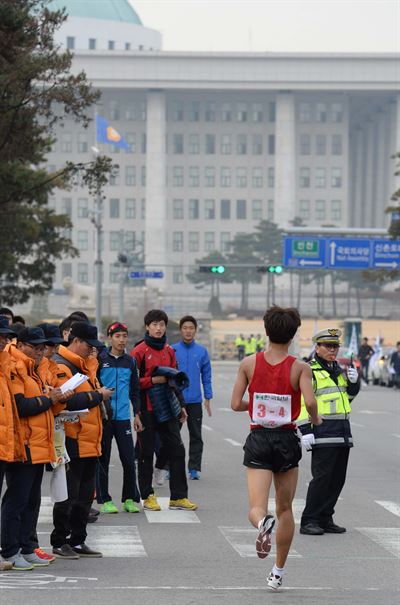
304 252
385 254
349 253
146 274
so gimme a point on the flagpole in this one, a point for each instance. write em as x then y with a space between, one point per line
98 263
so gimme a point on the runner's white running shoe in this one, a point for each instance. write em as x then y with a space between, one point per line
274 581
263 542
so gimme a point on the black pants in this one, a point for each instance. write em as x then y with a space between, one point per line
194 422
365 368
2 471
328 469
122 431
70 516
19 508
169 432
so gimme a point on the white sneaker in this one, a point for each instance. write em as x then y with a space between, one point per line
274 581
263 542
159 476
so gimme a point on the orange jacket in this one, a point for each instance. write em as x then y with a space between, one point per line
11 443
37 431
88 431
48 370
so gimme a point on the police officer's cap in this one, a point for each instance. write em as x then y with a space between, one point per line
331 335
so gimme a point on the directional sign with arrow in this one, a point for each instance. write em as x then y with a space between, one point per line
349 253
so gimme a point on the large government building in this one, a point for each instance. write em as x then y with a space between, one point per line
219 141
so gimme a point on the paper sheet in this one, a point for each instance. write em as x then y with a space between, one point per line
75 381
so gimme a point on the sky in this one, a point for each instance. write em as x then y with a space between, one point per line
274 25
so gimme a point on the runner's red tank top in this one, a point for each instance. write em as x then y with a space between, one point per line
273 403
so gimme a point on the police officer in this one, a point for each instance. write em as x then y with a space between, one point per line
334 390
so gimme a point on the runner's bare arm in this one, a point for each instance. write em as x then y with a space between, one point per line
307 390
240 386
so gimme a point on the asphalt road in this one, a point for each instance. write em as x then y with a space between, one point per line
208 556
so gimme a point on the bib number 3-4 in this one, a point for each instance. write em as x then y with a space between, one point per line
272 410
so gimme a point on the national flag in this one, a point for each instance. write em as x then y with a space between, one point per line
107 134
353 344
377 351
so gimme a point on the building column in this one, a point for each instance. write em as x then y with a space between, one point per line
357 202
156 199
380 201
285 162
369 197
394 143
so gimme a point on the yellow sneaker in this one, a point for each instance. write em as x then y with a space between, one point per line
151 503
182 504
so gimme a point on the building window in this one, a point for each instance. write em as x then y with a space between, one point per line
209 176
177 241
114 208
225 241
320 144
130 175
336 177
114 177
193 242
130 113
257 144
143 173
225 209
114 273
66 142
130 208
304 178
130 138
143 143
92 43
321 113
241 209
115 111
209 209
83 274
270 210
257 112
241 144
111 45
241 177
226 144
304 209
194 144
177 176
257 177
177 144
70 42
305 113
66 206
194 111
177 209
226 112
256 210
210 111
271 144
210 144
142 111
271 111
143 209
241 113
130 240
83 207
336 210
177 111
193 209
337 112
66 270
225 176
82 142
127 46
337 144
115 240
305 144
194 176
320 178
320 213
271 176
209 241
177 275
83 240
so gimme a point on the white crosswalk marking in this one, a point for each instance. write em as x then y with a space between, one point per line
233 442
170 516
386 537
111 540
243 540
392 507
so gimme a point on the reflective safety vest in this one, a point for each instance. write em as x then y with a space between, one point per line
333 400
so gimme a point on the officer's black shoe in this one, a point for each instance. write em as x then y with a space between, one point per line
84 551
332 528
311 529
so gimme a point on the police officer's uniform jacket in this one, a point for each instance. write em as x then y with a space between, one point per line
334 394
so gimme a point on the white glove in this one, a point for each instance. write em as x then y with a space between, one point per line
352 375
308 441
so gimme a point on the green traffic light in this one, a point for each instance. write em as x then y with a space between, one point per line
278 269
218 269
275 269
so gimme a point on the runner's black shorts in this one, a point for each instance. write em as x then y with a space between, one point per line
276 450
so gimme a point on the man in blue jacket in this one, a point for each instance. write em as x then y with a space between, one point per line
193 359
118 371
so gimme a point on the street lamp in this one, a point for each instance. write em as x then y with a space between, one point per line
98 263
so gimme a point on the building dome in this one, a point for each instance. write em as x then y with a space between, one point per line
111 10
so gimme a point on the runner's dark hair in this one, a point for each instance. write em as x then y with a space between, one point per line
155 315
281 323
187 318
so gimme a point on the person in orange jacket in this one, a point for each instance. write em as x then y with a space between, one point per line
83 443
34 401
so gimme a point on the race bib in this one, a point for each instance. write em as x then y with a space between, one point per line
272 410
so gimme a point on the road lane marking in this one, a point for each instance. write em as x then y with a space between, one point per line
386 537
394 435
207 428
224 410
170 516
392 507
361 426
233 442
243 540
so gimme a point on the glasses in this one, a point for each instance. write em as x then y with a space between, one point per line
327 345
117 326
